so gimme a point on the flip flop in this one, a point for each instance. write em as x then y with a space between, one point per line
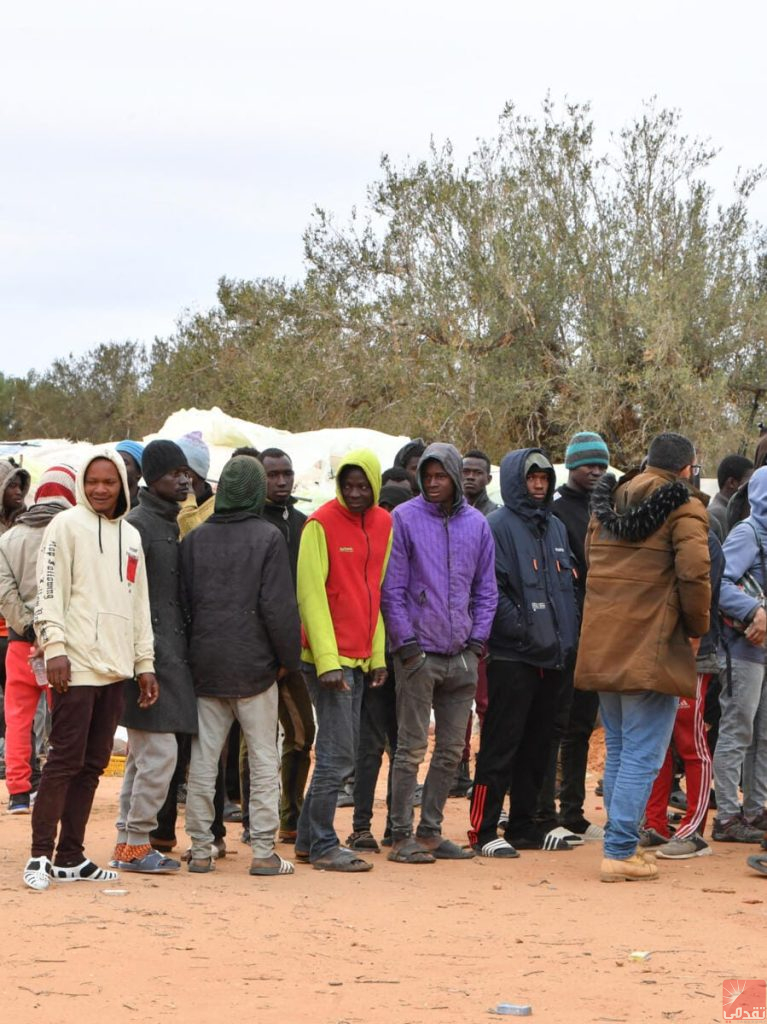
363 840
411 852
758 863
448 850
274 865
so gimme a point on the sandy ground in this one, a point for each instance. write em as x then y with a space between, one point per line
400 945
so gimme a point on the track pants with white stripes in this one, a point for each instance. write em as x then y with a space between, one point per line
689 741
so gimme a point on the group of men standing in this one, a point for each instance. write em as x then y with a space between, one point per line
258 611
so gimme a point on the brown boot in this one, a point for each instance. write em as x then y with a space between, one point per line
633 869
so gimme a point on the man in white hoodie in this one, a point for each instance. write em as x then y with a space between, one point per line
93 623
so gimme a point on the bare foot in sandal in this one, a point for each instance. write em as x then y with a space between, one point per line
410 851
342 859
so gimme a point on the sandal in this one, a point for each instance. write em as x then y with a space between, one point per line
37 873
152 863
758 863
201 865
363 840
409 851
496 848
448 850
85 872
274 865
342 859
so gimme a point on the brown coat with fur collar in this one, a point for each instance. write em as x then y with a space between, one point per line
648 587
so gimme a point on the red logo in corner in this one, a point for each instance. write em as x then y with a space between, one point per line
744 1000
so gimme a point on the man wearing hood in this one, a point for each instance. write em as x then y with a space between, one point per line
407 458
19 549
243 636
741 747
152 746
93 624
531 644
341 563
586 460
439 598
648 594
14 487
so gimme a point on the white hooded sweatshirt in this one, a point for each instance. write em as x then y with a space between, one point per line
92 597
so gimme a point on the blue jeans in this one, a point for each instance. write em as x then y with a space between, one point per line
638 729
338 724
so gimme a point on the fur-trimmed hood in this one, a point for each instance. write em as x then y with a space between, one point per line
638 519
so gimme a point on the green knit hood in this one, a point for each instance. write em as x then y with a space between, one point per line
241 487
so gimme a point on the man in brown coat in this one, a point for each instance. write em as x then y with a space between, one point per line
648 595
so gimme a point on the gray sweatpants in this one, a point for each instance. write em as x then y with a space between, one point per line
742 741
258 721
149 768
448 684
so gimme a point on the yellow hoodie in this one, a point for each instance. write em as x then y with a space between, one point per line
314 569
92 598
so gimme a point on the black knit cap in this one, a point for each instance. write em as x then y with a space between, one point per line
159 458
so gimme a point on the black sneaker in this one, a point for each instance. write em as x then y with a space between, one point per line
735 830
19 803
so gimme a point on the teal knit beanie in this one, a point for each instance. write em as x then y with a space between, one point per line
242 486
586 449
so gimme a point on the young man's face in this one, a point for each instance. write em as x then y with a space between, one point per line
173 486
438 486
13 497
356 491
537 481
476 476
103 487
132 470
585 478
279 478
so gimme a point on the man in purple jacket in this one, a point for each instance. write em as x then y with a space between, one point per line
438 599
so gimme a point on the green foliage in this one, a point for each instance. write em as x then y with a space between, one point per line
539 287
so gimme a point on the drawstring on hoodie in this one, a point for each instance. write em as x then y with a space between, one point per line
119 546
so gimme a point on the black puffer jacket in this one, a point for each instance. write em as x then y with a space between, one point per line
241 606
176 710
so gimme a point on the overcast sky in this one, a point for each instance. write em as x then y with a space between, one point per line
148 148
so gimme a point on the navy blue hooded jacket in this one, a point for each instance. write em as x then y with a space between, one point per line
537 618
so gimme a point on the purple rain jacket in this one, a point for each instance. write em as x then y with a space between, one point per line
439 594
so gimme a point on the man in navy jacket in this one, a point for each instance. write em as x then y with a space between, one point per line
532 641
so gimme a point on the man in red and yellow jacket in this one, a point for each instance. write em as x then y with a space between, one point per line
342 559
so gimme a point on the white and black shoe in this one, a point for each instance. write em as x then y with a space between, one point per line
496 848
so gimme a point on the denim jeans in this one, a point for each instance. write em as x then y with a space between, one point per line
638 729
742 741
335 748
448 684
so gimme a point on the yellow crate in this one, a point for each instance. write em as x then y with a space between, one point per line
116 765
